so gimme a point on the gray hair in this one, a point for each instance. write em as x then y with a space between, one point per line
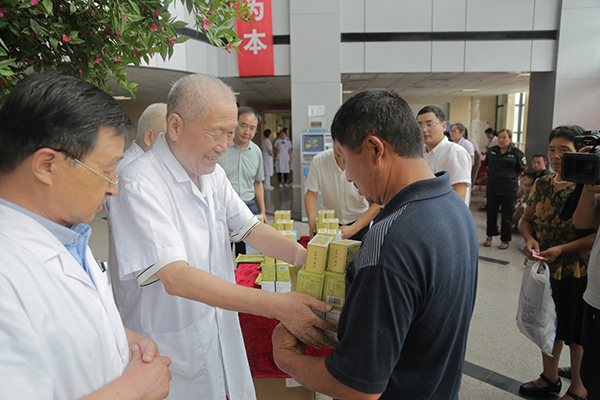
154 117
191 95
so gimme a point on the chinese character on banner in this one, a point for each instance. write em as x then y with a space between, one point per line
256 51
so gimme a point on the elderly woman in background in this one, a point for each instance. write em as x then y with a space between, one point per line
566 250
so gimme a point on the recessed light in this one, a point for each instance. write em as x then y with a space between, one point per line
469 90
347 91
118 98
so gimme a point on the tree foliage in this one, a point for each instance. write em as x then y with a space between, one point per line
94 39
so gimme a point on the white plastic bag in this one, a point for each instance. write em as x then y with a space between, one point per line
536 316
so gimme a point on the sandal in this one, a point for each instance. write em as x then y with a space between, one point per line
503 246
530 389
574 396
488 242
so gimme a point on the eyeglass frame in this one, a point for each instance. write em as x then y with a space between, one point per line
428 126
113 183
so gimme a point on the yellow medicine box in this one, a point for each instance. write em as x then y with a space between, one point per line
288 234
341 254
336 234
316 254
269 260
268 272
260 218
283 214
330 214
321 215
334 289
310 284
322 231
282 272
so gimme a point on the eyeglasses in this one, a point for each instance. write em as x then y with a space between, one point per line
428 125
112 183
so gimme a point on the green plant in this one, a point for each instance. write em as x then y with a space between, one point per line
93 39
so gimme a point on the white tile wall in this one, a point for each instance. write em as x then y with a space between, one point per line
449 15
448 56
498 56
398 57
398 16
352 58
505 15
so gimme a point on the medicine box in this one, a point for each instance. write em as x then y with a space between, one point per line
269 260
333 316
322 231
330 214
310 284
321 215
283 286
335 234
288 234
269 286
316 254
341 254
268 272
282 273
283 214
334 289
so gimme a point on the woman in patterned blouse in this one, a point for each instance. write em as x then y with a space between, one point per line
566 250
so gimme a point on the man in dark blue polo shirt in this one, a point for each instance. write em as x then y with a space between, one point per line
409 297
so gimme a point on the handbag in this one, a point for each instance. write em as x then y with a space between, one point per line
536 315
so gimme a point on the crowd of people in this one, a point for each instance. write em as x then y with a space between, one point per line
164 322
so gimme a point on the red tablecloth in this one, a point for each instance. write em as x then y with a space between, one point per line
257 332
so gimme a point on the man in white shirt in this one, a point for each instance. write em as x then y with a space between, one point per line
152 122
327 175
441 154
60 332
172 221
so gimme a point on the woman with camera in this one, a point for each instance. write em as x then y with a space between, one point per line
566 251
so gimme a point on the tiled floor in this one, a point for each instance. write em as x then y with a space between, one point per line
498 358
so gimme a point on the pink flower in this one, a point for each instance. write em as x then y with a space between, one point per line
212 13
118 33
125 17
80 71
2 11
65 38
151 52
98 59
34 2
154 27
30 61
229 48
157 13
206 24
230 4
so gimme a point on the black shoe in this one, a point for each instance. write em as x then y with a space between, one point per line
530 389
565 372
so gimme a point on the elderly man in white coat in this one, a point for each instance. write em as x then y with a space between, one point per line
60 332
173 219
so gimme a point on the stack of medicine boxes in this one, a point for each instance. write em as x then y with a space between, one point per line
275 274
324 275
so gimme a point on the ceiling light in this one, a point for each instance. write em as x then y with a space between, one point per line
469 90
525 74
118 98
347 91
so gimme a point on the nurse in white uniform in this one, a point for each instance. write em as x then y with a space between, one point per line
172 222
60 332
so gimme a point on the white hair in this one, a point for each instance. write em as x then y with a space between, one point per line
154 117
191 95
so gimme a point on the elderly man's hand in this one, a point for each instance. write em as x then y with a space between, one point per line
297 315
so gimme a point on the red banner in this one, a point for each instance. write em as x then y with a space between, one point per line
256 57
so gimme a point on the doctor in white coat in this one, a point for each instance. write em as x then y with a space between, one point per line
172 221
60 332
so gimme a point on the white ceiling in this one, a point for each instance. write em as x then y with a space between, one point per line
154 85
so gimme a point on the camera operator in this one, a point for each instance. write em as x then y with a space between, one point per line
587 215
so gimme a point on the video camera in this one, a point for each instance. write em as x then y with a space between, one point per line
583 167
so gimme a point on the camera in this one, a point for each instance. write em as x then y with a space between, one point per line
583 167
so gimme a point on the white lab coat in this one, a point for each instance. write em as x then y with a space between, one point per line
159 214
282 165
61 336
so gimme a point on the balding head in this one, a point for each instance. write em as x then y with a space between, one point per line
191 95
152 122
